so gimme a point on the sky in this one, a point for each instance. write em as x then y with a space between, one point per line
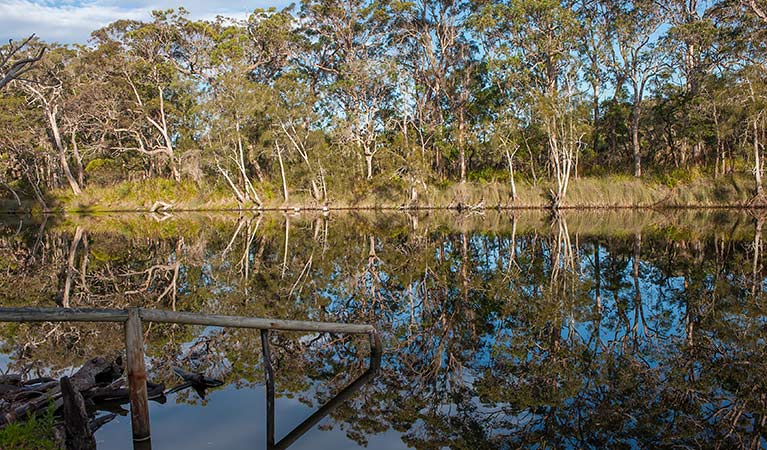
71 21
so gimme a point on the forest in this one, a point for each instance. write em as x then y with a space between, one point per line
328 102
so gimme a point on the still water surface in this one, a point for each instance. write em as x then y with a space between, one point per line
623 329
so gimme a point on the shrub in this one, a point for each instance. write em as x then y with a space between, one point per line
36 433
103 171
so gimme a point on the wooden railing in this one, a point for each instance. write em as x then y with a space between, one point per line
134 346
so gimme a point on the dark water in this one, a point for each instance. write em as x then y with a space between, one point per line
630 329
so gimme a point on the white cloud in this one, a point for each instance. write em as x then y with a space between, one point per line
70 21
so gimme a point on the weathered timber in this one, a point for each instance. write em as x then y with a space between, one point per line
122 394
99 422
139 404
137 383
328 407
32 407
78 434
154 315
91 371
197 379
83 379
62 315
13 379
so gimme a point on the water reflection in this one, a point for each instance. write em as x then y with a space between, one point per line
586 330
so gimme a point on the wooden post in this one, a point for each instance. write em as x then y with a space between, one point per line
134 345
137 392
269 389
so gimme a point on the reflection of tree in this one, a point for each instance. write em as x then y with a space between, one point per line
530 334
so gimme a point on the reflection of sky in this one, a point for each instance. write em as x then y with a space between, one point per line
233 419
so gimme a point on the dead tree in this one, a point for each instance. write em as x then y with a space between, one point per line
10 71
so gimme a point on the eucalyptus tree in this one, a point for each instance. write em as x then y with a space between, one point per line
744 40
509 111
48 89
23 162
293 123
15 62
345 55
432 40
541 36
635 58
698 44
594 49
234 110
157 100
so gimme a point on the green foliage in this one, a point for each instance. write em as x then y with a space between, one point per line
104 171
488 174
679 176
34 433
321 95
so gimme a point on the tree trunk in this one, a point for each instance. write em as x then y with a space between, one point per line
369 164
511 175
78 433
52 122
71 267
757 160
462 143
78 160
282 174
635 142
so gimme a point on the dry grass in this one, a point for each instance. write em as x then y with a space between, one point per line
604 192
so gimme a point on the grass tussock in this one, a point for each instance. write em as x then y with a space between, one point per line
36 433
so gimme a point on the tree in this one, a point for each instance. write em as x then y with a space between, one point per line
541 34
47 90
345 54
14 62
635 56
149 87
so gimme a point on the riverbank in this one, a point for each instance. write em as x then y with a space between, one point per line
604 192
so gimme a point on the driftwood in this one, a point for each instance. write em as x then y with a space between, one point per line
119 393
160 206
196 381
77 430
98 385
83 379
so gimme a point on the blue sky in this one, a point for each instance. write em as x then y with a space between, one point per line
70 21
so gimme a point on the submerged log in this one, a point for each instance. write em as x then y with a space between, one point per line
96 423
49 393
197 378
121 394
196 381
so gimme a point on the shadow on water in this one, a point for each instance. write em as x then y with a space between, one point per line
629 329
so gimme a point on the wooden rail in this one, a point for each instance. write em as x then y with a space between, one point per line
136 368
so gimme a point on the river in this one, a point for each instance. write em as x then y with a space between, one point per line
589 329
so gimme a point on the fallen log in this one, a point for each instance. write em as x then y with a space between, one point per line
196 381
83 379
197 378
97 422
112 393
